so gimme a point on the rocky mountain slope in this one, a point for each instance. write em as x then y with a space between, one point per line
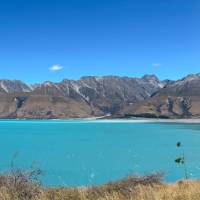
15 86
108 94
96 96
178 99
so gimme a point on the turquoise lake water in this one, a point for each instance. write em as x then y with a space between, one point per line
83 152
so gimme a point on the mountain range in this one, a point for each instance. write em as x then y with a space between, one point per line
92 96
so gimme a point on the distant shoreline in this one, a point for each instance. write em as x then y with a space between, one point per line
156 120
103 118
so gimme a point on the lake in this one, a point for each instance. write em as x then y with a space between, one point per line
81 152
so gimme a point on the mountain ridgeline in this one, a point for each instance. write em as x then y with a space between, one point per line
93 96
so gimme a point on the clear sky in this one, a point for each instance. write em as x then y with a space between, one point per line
55 39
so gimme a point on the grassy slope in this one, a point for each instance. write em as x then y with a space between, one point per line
185 190
20 186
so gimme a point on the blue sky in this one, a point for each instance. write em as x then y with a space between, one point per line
55 39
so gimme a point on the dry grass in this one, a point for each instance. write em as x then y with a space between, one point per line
23 186
183 190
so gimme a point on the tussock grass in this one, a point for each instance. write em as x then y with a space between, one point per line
21 185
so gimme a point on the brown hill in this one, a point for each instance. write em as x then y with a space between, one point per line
96 96
32 106
179 99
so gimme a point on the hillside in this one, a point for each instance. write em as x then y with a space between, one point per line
178 99
89 96
35 106
96 96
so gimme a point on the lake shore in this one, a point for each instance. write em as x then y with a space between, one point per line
197 120
105 119
22 187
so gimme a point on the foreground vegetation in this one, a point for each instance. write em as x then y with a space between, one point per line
24 185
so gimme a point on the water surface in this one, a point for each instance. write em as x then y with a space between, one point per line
84 152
